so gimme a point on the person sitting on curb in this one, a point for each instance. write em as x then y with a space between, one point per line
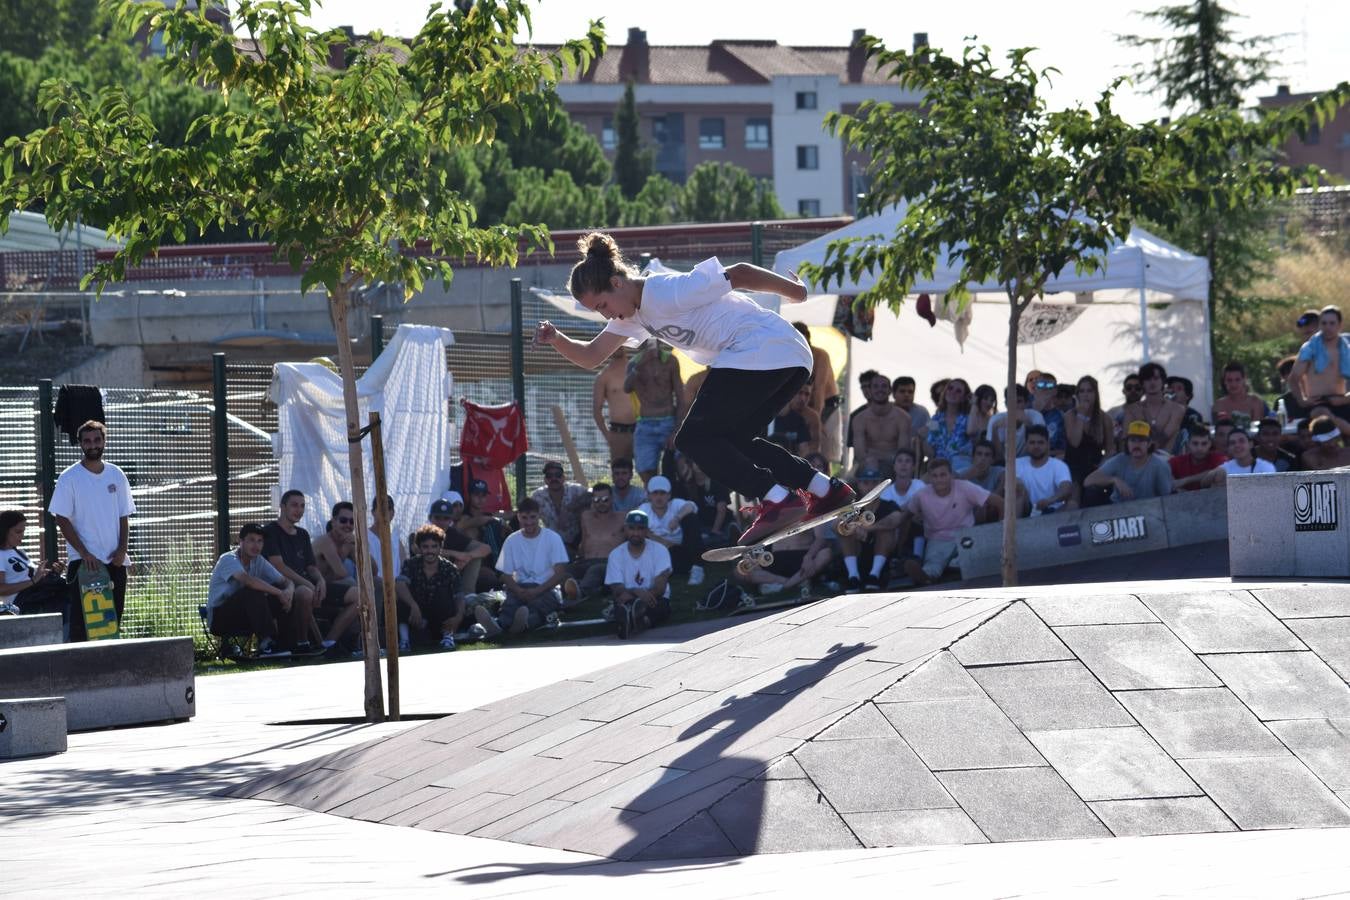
1135 474
638 575
796 561
944 507
465 552
430 600
1046 485
1241 460
533 564
674 523
1327 450
246 593
1191 470
602 529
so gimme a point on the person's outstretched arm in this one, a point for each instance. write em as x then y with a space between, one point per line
747 277
588 355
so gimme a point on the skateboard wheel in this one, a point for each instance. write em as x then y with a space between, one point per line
746 603
765 559
745 565
868 517
844 527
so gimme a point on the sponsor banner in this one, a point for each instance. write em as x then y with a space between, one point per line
1315 506
1114 531
1070 536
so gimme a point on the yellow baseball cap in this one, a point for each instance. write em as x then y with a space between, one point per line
1139 428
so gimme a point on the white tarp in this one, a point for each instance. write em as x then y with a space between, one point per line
1148 302
408 386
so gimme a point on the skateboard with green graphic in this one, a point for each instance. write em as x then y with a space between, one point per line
96 602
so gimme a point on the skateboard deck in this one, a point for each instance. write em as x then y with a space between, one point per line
96 603
748 556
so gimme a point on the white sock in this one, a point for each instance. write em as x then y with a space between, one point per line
851 564
776 494
877 563
327 644
820 485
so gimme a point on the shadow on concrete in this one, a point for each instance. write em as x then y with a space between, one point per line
1205 560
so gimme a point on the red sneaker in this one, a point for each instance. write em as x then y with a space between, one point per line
773 518
839 495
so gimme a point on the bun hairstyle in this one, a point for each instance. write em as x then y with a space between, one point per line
601 260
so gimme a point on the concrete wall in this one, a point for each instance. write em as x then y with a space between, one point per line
122 366
1289 524
1101 532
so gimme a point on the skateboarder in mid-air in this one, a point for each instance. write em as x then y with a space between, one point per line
756 361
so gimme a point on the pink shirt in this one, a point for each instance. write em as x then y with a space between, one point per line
942 516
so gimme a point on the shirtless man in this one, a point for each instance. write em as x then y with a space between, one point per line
880 429
1319 376
608 392
1327 450
1242 407
654 375
601 531
334 554
1163 416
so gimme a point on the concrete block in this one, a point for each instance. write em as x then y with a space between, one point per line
30 631
1194 517
1289 524
107 683
32 726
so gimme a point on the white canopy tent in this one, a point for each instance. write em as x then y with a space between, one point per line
1148 302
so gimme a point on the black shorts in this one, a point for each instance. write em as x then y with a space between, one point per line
787 562
622 427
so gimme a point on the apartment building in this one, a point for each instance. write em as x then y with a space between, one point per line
755 103
1327 146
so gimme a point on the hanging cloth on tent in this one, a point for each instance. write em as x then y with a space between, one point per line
1042 321
463 475
493 436
75 405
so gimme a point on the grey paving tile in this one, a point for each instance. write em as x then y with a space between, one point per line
1284 685
1112 763
961 734
969 613
621 701
1029 804
1014 635
864 722
861 679
1329 639
1268 792
1051 695
497 825
1108 609
746 765
1201 723
449 819
914 827
1323 745
1222 622
702 672
784 769
699 838
781 816
1128 657
1306 600
871 774
1171 815
941 677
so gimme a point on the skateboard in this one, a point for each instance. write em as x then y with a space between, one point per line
751 555
96 602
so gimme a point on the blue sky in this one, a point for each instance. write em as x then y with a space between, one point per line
1078 37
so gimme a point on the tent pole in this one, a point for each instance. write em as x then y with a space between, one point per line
1143 306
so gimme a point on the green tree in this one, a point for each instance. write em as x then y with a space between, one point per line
632 163
333 168
1009 191
723 192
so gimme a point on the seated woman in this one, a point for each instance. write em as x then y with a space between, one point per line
25 587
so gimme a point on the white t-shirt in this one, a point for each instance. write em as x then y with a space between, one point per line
224 585
15 566
715 326
637 574
1262 467
94 504
667 527
1042 482
531 560
998 425
892 493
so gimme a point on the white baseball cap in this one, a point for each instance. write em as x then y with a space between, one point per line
659 483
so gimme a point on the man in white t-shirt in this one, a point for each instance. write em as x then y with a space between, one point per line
92 505
1241 459
1044 480
638 575
674 524
533 564
247 595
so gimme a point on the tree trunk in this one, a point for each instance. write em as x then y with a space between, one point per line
338 304
1010 451
384 533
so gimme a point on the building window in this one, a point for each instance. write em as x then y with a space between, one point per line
806 99
808 208
808 157
711 134
609 138
757 134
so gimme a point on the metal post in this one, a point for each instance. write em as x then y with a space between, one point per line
757 243
46 428
518 370
376 336
383 530
220 451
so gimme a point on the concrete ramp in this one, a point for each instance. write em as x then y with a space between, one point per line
885 720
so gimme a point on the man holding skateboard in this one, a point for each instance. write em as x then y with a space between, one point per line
92 505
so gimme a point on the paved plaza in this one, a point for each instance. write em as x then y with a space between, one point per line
140 809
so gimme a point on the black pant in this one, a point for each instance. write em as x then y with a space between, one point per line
723 428
686 554
246 611
118 574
